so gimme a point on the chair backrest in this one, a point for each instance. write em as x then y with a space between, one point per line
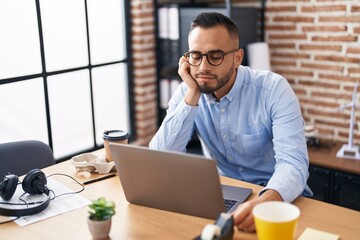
22 156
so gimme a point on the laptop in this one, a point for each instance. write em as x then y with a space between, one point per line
174 181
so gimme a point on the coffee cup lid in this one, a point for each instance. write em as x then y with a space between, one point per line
115 135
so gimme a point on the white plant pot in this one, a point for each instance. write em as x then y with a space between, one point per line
99 229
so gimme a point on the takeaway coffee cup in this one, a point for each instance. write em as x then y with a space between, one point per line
116 136
275 220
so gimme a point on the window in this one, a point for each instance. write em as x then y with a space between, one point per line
64 72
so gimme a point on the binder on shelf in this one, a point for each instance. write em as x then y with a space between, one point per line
164 43
168 18
173 34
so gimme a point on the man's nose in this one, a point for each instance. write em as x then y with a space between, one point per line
204 63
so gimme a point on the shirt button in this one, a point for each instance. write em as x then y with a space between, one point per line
229 157
224 136
222 110
240 168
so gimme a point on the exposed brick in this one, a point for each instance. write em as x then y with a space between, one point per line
293 19
320 47
316 103
331 123
290 55
337 77
356 29
332 95
353 50
144 69
281 45
279 63
323 113
324 8
318 84
299 91
339 59
354 70
287 1
346 19
355 8
287 36
149 113
326 67
297 73
291 81
335 38
324 28
274 27
281 9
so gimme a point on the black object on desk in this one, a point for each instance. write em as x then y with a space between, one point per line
99 178
225 222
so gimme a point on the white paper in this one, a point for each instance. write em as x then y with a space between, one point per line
57 206
259 56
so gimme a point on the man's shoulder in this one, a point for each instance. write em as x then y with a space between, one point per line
263 79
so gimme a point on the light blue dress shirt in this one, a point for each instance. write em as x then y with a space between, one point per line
255 132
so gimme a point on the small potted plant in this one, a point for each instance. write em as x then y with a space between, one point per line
99 221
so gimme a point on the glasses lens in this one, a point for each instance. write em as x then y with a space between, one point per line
194 58
215 57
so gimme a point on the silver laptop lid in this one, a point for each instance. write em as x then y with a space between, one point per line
172 181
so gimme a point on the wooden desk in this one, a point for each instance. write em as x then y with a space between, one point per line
136 222
326 157
334 180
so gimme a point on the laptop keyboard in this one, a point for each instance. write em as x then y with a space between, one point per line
229 203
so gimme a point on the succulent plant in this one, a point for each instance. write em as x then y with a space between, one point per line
101 209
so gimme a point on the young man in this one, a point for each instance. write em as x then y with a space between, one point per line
248 121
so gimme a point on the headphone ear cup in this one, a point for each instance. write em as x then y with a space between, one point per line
8 186
34 182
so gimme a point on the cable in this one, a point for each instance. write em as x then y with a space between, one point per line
11 220
61 174
38 202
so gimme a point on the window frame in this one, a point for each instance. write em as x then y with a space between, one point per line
44 75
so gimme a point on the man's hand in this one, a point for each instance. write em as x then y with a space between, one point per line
243 218
193 94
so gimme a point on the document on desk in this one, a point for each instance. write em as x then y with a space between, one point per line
57 206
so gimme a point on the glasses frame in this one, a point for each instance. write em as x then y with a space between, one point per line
187 56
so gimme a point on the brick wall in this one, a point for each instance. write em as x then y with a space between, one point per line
144 69
313 43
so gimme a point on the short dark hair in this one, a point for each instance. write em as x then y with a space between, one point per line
212 19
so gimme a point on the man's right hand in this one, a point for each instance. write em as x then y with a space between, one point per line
193 94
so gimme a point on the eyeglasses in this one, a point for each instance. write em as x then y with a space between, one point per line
214 57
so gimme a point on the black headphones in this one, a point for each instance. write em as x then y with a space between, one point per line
34 183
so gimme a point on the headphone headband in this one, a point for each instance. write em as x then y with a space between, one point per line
34 183
26 211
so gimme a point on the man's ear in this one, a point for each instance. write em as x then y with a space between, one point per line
239 55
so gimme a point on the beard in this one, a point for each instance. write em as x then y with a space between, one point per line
220 81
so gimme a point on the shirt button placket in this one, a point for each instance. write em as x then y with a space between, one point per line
224 132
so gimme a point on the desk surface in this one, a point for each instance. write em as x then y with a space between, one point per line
137 222
326 157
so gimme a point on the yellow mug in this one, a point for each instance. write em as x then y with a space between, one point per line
275 220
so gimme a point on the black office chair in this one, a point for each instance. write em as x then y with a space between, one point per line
22 156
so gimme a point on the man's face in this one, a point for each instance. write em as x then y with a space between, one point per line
214 79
